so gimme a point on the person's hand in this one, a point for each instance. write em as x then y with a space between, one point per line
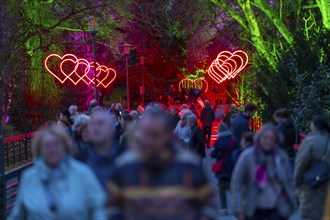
240 216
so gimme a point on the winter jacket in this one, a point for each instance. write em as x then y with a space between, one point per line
289 133
245 191
312 149
68 192
221 148
183 133
239 126
228 116
197 141
207 116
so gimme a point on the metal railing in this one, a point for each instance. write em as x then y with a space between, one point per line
17 157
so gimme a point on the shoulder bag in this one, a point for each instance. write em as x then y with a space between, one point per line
319 173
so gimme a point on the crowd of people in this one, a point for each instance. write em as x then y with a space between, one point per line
147 164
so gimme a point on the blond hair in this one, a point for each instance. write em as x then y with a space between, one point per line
59 134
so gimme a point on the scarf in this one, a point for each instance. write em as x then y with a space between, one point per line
269 167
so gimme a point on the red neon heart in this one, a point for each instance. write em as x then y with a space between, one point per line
106 77
80 71
227 65
193 83
61 75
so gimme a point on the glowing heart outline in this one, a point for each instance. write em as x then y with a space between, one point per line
228 65
81 77
61 58
193 81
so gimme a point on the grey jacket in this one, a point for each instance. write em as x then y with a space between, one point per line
312 201
71 192
245 190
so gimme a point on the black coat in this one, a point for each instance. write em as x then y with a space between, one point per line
197 141
289 133
221 146
207 116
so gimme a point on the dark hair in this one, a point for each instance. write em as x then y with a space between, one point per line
248 137
282 113
321 123
66 113
127 117
250 107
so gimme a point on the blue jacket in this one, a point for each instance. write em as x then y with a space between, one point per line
221 146
239 126
69 192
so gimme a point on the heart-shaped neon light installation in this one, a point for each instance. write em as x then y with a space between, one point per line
80 71
227 65
193 84
62 76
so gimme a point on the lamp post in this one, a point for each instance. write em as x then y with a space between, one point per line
142 91
92 23
127 52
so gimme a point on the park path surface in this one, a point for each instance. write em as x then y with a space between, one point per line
207 163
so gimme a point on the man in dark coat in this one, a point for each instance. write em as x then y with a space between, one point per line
229 115
207 118
197 141
240 123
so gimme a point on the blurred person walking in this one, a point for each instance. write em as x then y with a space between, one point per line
261 184
65 121
183 130
229 114
101 155
207 118
315 148
287 128
81 134
57 186
224 165
240 124
156 181
197 141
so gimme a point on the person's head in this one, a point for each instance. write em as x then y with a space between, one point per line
173 112
184 106
184 118
52 144
247 139
73 109
207 103
65 118
134 136
126 119
101 128
192 120
319 123
157 132
118 107
135 115
223 127
281 115
92 104
80 127
233 107
96 109
268 137
250 109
